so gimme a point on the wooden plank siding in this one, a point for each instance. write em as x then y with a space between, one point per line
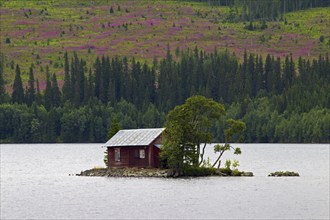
128 157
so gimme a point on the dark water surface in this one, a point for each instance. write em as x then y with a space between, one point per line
35 184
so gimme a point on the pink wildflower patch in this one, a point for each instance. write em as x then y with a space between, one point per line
50 34
103 35
20 33
25 22
115 42
101 51
152 22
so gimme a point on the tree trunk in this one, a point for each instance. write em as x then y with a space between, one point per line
218 158
202 155
198 150
219 164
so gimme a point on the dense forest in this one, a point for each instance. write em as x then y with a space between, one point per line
249 10
280 100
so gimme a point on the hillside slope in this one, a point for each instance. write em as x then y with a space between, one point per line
39 32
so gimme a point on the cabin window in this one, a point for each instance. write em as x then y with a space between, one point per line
142 153
117 154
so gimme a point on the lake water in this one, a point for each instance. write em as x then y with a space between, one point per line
35 184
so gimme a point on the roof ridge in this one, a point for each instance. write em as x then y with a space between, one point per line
129 129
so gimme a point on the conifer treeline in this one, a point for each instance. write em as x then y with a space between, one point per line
249 10
169 83
139 95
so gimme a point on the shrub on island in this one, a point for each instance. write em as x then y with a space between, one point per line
283 173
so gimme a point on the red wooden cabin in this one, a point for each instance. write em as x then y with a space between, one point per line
135 148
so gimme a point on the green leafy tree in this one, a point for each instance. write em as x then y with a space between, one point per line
36 133
233 133
187 127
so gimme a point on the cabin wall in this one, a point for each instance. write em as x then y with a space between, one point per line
155 151
135 161
124 157
156 156
129 157
158 140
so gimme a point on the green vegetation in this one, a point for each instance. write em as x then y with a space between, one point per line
283 173
39 32
248 10
269 70
187 127
277 101
199 171
114 128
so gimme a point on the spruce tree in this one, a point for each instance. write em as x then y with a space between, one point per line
81 82
2 80
250 78
292 71
38 95
268 74
56 94
301 70
98 72
114 128
48 91
75 66
90 86
277 76
106 75
18 91
260 75
287 73
244 76
31 92
67 81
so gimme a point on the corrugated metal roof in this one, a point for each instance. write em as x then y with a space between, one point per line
134 137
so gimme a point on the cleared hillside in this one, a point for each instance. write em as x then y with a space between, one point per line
39 32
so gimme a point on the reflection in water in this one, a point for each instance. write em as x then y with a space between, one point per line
35 183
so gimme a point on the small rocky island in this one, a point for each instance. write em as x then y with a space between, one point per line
155 172
283 173
140 152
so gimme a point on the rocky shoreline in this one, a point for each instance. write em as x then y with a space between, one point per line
139 172
125 172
